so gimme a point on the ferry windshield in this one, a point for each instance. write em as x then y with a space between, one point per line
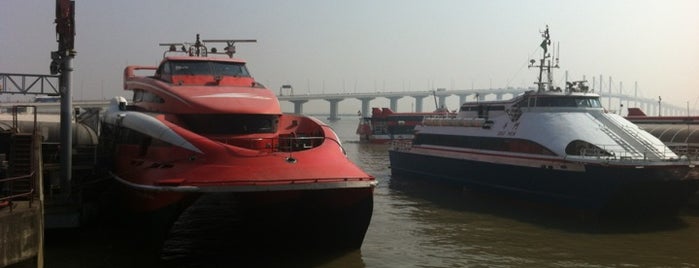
208 68
567 101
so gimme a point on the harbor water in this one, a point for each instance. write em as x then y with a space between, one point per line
421 224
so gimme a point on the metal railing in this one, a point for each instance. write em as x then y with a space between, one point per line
7 189
36 84
15 117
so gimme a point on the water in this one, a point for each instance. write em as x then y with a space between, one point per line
418 224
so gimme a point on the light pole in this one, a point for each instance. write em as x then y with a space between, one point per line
659 105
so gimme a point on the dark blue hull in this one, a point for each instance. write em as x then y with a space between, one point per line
600 188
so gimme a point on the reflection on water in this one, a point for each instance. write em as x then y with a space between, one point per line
118 246
471 228
453 197
421 224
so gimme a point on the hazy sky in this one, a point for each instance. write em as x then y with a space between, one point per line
367 45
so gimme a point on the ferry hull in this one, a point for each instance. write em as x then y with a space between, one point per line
329 210
384 139
327 219
203 135
600 188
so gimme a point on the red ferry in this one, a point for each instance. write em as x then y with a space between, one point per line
636 115
201 130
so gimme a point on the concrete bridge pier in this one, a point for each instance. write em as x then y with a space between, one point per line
418 102
498 96
648 108
298 106
656 109
462 98
394 102
365 105
333 109
442 101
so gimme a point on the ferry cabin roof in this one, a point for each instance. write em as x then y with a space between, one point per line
204 71
539 100
202 85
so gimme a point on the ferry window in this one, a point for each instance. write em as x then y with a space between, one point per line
207 68
568 102
191 67
137 95
525 146
582 102
556 102
150 97
579 147
588 102
481 108
485 143
164 72
140 95
230 69
222 124
166 69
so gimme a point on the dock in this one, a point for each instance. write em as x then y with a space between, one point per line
21 199
21 233
33 197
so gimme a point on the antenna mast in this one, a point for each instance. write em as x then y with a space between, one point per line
544 65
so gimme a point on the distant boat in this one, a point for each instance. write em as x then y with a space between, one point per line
680 133
552 145
201 132
385 126
636 115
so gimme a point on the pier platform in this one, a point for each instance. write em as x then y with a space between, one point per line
21 233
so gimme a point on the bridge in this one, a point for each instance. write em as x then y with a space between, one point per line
29 84
649 105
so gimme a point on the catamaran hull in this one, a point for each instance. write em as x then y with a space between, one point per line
599 188
326 219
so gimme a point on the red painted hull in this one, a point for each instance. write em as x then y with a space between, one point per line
320 181
313 186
